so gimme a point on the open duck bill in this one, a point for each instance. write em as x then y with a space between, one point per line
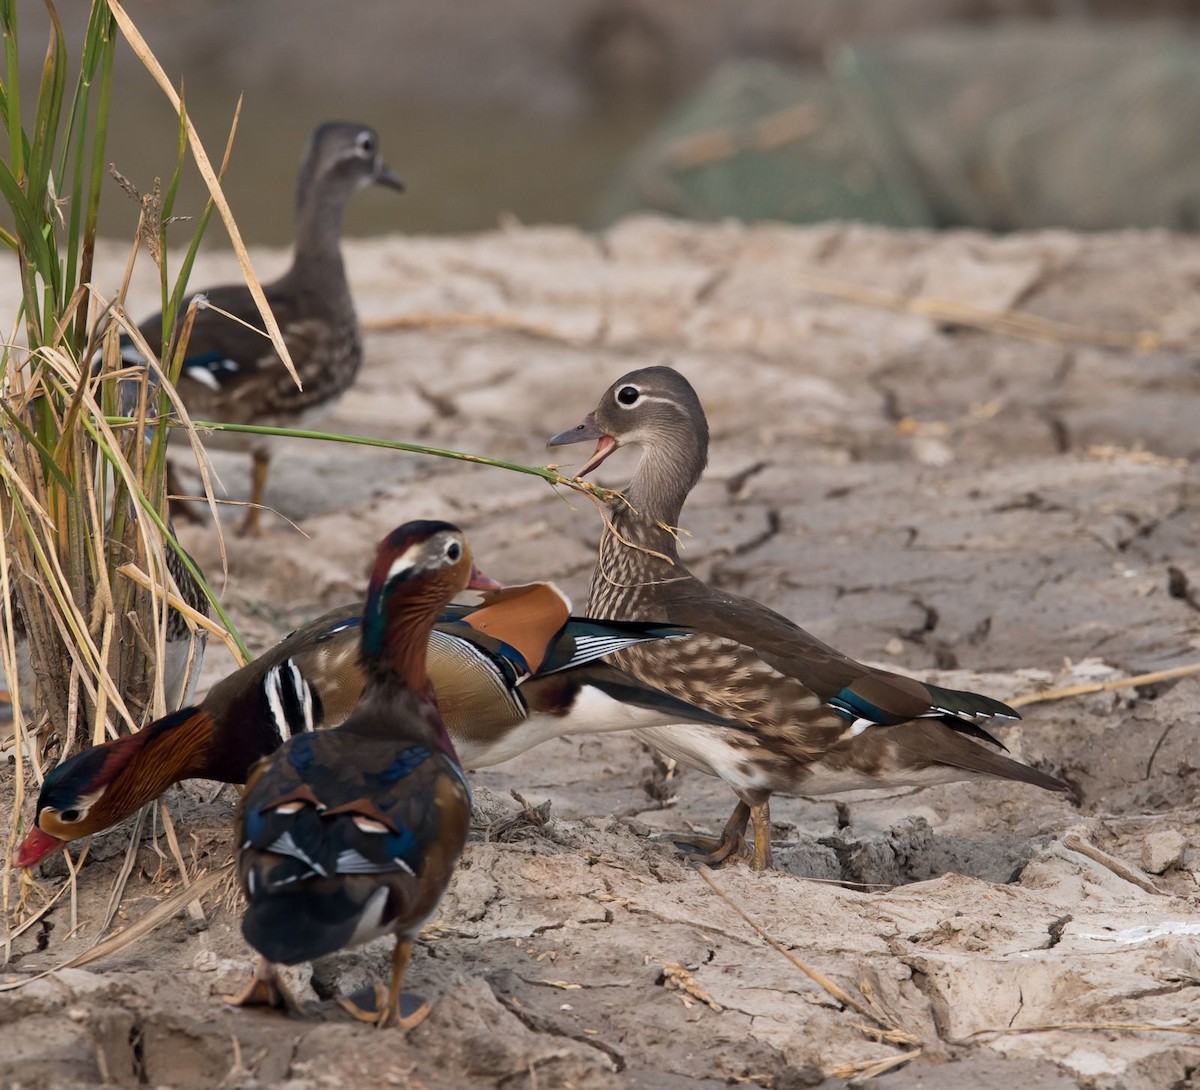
588 430
35 847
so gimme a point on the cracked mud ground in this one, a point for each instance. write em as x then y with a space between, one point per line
988 511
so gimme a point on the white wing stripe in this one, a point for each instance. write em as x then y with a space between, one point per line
350 861
590 647
303 694
285 844
272 686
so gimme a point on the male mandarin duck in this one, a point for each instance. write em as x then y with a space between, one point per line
508 675
818 721
353 833
231 373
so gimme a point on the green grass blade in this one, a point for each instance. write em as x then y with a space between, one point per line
49 112
44 452
105 36
18 144
168 203
29 220
549 475
151 511
185 268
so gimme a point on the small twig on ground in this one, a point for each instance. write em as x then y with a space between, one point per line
194 908
1084 1027
869 1069
1075 841
1105 686
139 929
681 979
25 925
890 1030
118 887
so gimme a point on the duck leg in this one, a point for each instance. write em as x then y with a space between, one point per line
760 821
730 845
390 1006
407 1011
258 486
265 990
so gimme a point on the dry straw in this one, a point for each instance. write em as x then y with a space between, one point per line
83 556
81 500
882 1025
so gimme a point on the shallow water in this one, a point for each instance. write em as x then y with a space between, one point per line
470 151
464 169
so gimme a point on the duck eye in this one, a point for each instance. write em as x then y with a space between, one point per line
366 143
69 815
454 552
627 395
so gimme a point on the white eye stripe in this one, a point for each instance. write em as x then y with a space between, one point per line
643 398
404 563
408 561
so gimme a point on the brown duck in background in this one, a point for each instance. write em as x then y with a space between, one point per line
508 675
818 721
231 373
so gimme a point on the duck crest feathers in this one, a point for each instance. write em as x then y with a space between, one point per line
526 618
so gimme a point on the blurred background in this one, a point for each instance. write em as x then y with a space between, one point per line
999 114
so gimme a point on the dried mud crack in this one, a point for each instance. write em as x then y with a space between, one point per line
983 511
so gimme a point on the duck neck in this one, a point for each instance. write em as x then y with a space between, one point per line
394 650
396 637
320 210
177 747
639 549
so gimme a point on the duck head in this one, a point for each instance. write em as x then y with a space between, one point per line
654 408
101 786
343 155
418 568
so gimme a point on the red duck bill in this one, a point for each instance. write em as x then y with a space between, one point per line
605 444
35 847
479 581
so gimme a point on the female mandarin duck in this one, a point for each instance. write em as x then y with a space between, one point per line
353 833
818 721
508 675
231 373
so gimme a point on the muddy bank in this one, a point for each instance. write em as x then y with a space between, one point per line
989 511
